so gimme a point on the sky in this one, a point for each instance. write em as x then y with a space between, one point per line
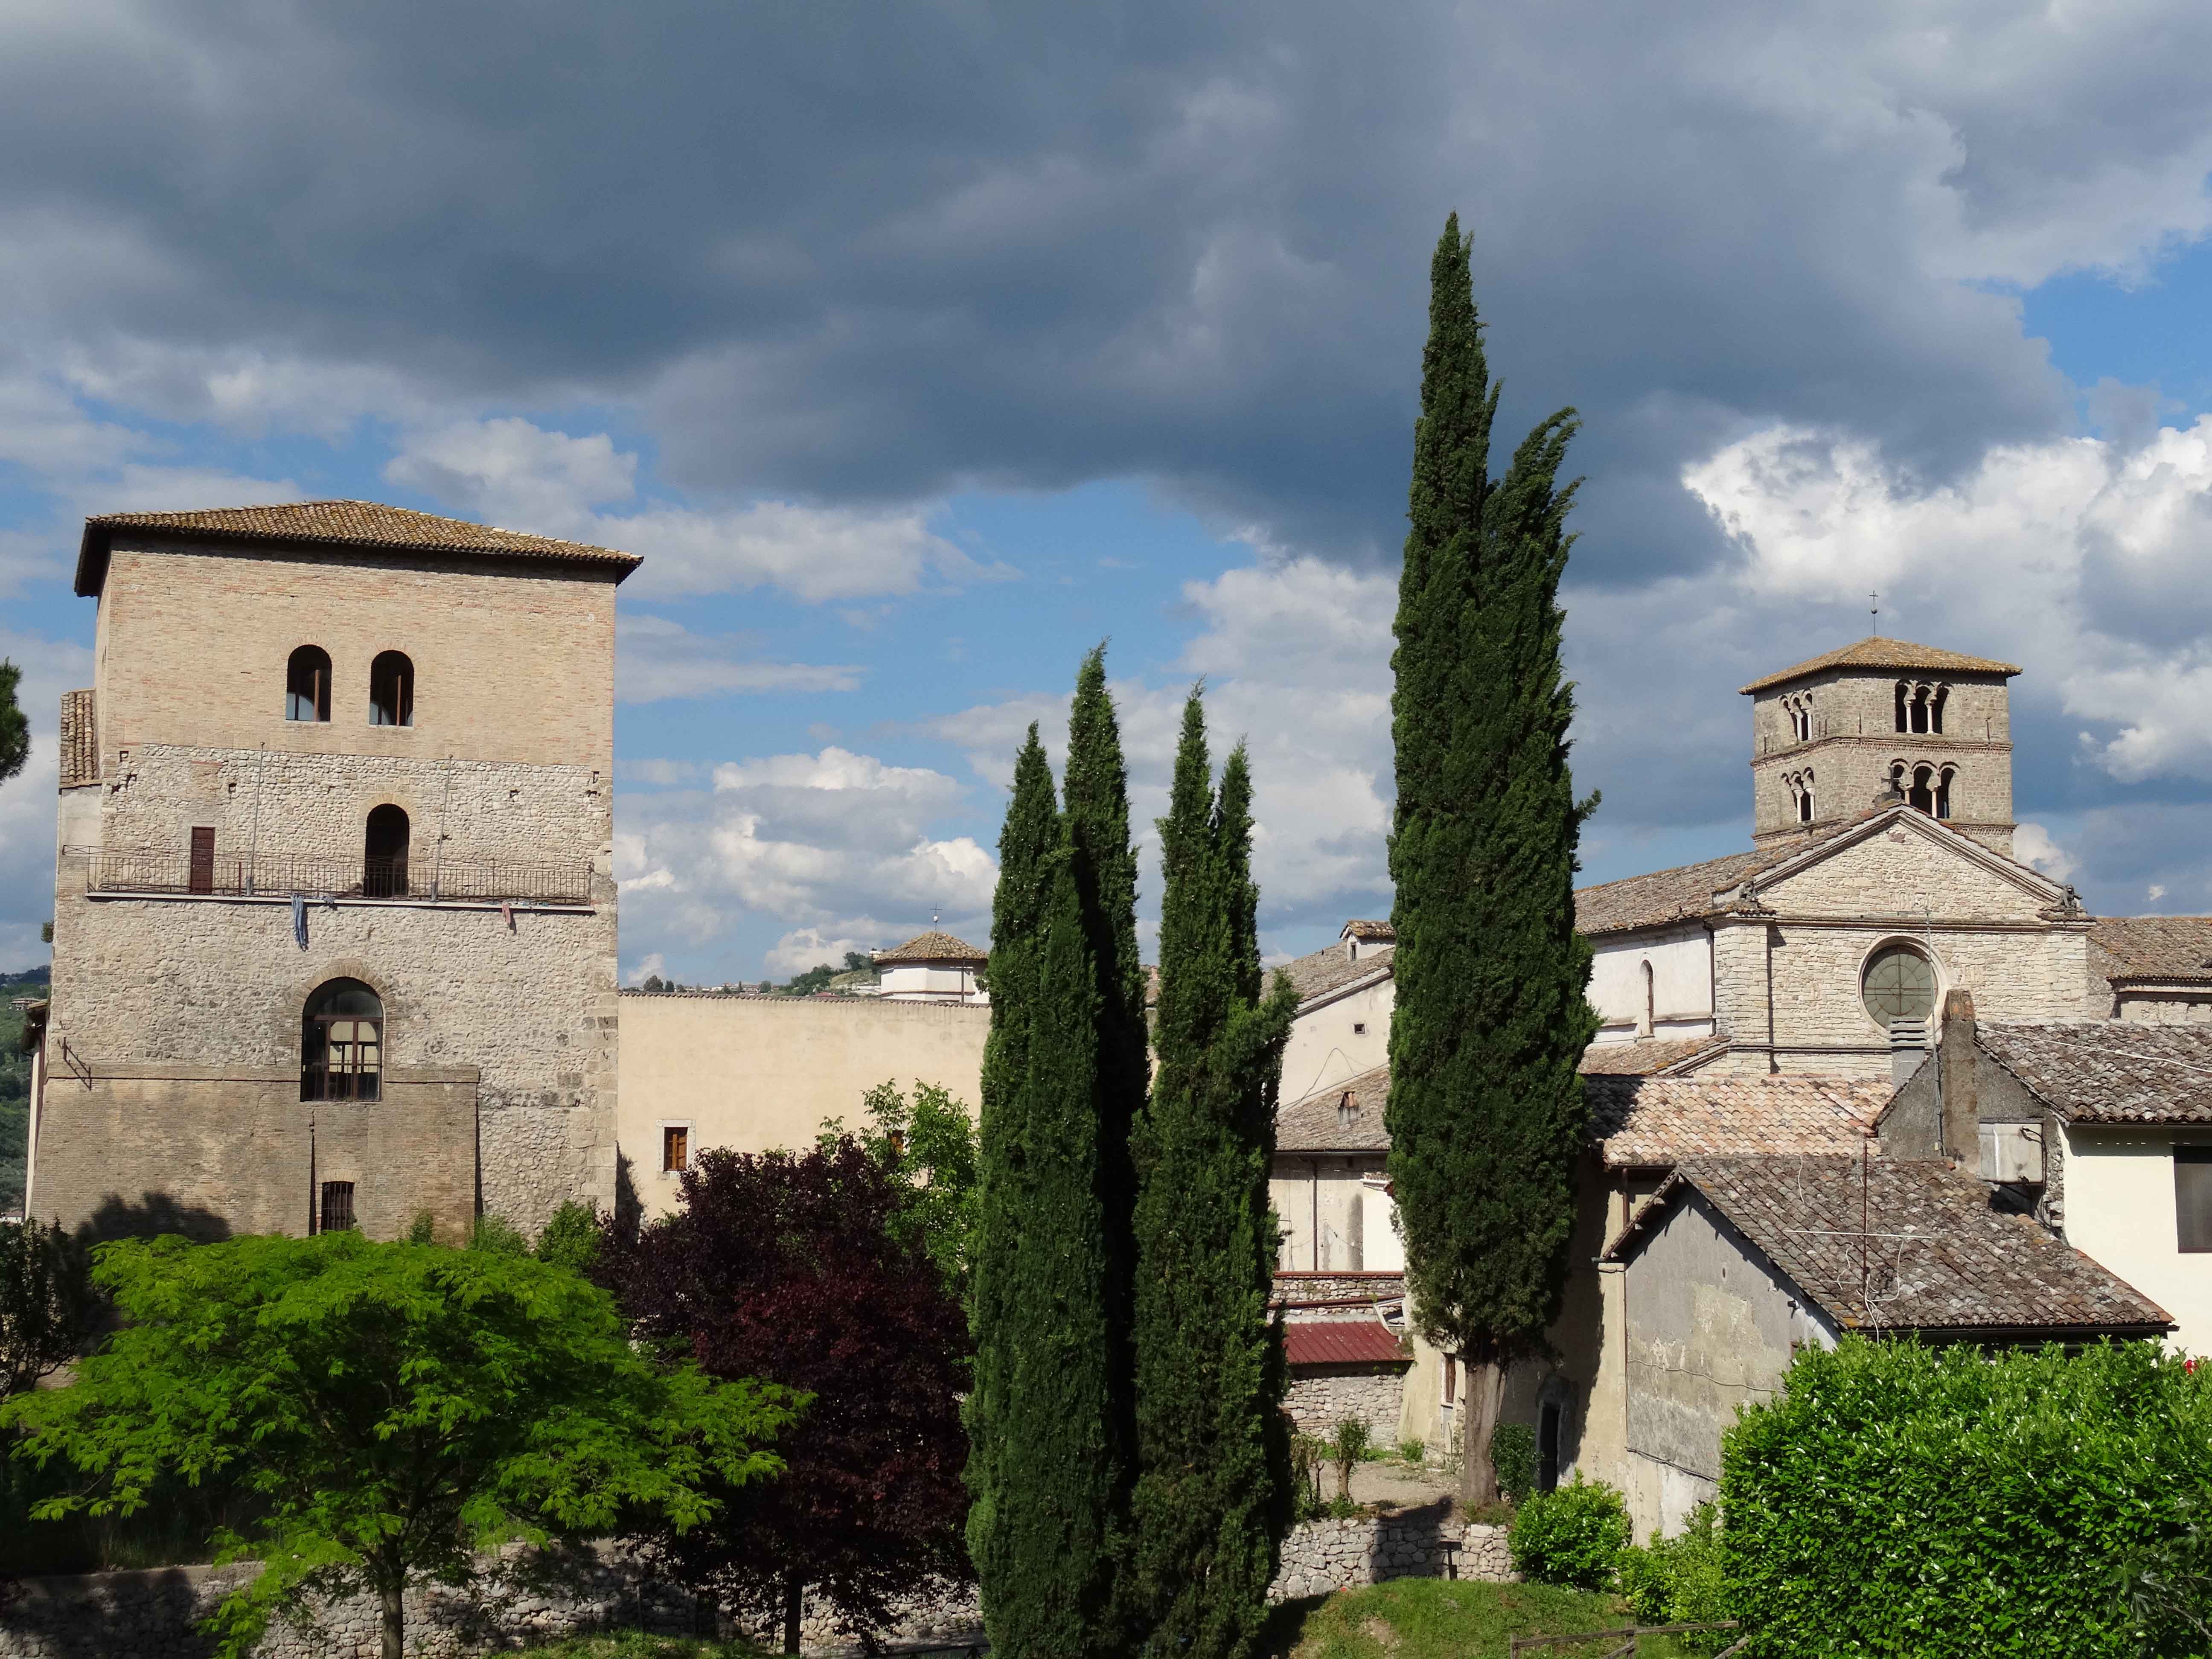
918 349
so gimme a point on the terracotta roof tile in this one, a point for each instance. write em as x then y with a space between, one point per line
1320 1123
1647 1056
1367 930
1651 1121
933 946
1934 1251
1682 894
2109 1071
1365 1341
1875 651
1328 968
338 524
2172 949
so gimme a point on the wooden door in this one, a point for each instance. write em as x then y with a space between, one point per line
201 879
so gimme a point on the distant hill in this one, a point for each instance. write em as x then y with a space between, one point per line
42 975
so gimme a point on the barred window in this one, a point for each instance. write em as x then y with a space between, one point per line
337 1215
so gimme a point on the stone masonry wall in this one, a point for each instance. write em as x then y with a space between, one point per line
1319 1403
316 806
1322 1557
153 1615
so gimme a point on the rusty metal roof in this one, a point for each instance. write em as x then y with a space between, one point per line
1363 1341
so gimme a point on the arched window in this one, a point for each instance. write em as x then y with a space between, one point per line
1805 808
1935 700
307 685
1943 792
392 690
1922 794
1650 1020
1897 779
1904 721
342 1042
384 866
1898 983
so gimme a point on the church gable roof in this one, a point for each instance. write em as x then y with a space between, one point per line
1691 892
1875 651
368 524
1886 851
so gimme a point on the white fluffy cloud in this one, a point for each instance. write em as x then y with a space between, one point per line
2084 560
27 801
510 471
836 845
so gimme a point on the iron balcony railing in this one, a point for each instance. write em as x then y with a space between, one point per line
274 875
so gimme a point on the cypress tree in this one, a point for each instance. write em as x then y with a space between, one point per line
1486 1111
1045 1469
1096 793
1213 1491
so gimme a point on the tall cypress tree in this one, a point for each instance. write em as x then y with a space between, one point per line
1046 1472
1096 793
1213 1491
1486 1111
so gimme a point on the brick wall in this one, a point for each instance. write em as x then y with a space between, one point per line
512 663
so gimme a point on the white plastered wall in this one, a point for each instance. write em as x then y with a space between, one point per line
2120 1212
1680 1002
1338 1037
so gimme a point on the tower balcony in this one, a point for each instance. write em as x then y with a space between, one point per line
277 876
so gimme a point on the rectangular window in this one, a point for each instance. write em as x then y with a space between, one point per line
337 1207
1452 1379
201 879
2192 1196
675 1147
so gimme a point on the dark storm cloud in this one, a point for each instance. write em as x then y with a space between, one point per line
850 252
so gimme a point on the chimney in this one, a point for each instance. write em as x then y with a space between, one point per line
1955 1082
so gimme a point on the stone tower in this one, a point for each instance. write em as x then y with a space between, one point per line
334 915
1832 736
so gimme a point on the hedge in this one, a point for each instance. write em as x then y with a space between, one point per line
1896 1499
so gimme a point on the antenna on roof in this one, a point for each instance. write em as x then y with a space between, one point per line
1874 600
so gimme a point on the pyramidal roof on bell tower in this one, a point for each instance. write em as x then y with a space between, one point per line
1875 651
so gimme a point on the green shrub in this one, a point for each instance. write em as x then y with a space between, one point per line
1413 1451
1308 1453
1513 1455
1572 1536
1895 1499
571 1238
1681 1580
1347 1446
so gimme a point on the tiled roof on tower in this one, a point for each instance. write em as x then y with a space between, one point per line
1875 651
336 524
933 946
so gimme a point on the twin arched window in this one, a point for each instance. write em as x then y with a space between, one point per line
342 1042
390 687
1928 788
1920 708
1800 794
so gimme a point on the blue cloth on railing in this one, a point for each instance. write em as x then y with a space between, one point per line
299 920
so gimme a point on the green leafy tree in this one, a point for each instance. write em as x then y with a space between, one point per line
930 1142
1045 1467
45 1307
15 730
399 1410
1214 1489
1486 1111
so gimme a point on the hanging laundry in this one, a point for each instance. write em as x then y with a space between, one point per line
299 920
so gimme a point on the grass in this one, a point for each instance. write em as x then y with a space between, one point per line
1448 1619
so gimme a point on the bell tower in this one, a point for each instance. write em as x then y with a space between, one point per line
1834 735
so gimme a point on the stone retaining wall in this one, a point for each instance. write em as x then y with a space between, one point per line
1322 1557
1316 1403
154 1615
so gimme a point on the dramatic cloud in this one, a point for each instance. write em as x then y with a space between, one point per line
27 802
